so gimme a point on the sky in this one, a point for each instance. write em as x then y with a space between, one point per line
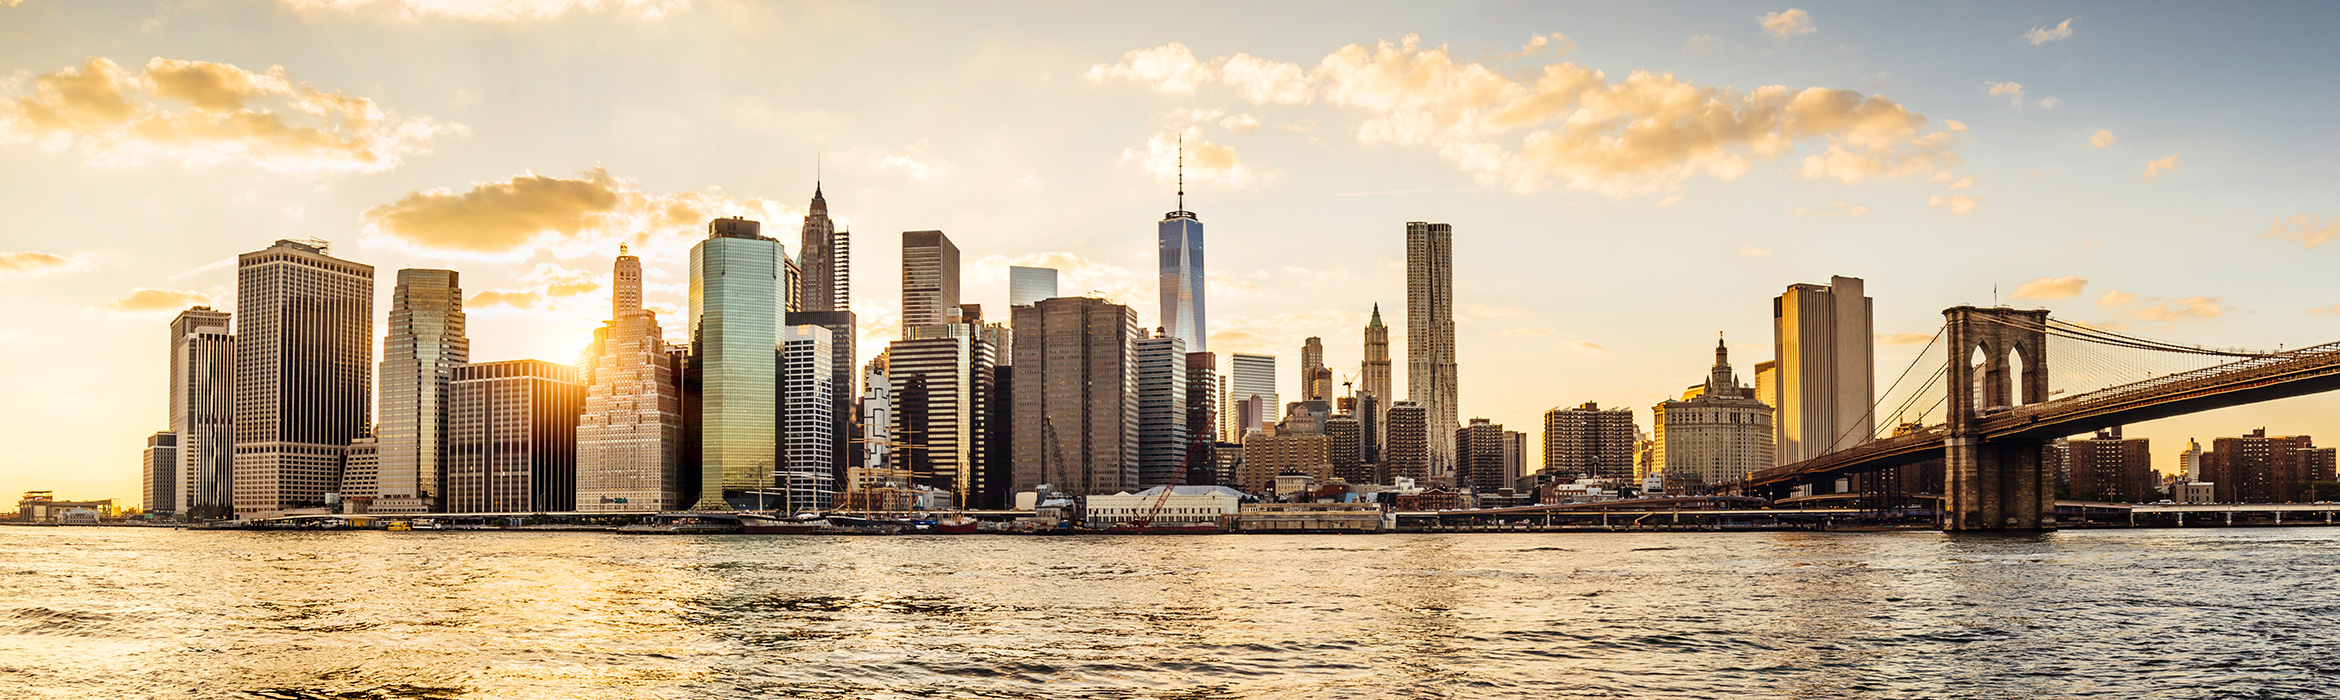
1624 180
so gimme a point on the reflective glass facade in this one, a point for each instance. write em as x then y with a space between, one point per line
735 316
1182 280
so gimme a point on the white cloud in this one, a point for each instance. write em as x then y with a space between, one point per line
1670 200
2042 35
2049 102
1958 204
2115 297
2051 288
152 301
1240 122
913 161
28 264
1962 183
490 10
1263 81
1586 346
1542 45
2325 310
1643 133
200 113
2103 138
1792 22
1206 161
2155 169
546 287
1754 252
2307 230
2181 309
2012 91
1705 43
589 214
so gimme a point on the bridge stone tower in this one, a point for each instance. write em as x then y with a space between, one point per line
2000 484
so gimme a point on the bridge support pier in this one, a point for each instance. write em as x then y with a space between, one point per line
1999 485
1996 484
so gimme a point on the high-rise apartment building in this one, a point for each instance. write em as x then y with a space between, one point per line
1826 368
2257 468
1181 239
630 434
1251 378
1479 456
1717 433
158 480
1267 456
512 437
736 315
1375 385
1029 285
304 373
203 364
1586 441
1162 389
930 279
1076 402
1515 450
808 388
425 344
1311 360
1345 449
1431 374
2110 468
1406 454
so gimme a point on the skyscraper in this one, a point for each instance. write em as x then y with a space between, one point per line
825 288
1586 441
1180 236
1252 378
1431 374
1479 456
630 436
808 387
304 372
1202 415
930 279
1376 394
1162 390
1826 368
158 485
736 316
1717 433
1407 454
941 381
203 363
1311 360
512 437
1029 285
419 355
1076 403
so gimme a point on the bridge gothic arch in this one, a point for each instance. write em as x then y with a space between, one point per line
2003 484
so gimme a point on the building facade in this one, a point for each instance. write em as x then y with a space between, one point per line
203 370
735 316
942 383
1480 456
1374 389
930 279
512 437
1180 236
808 392
1029 285
1586 441
1076 402
1432 377
1250 378
1406 454
630 434
304 373
1717 433
1162 390
2258 468
1266 457
1825 368
2110 468
158 480
425 343
1345 449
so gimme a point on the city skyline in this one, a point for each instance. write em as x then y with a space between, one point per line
2088 234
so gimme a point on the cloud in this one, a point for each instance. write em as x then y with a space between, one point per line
1705 43
1262 81
2307 230
1565 123
2155 169
2103 138
913 161
2325 310
1754 252
27 264
146 301
1792 22
1905 338
2012 91
1962 183
1206 161
2181 309
2049 103
545 287
2050 288
2042 35
1554 45
589 214
1241 122
490 10
1586 346
1959 204
200 113
1844 209
1527 332
2115 297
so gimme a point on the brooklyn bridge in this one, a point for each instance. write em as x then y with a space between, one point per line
2006 382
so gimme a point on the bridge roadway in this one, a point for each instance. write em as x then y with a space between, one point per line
2282 375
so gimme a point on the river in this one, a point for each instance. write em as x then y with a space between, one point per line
2196 613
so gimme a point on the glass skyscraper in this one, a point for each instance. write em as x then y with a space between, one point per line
425 344
1182 278
304 375
735 317
1029 285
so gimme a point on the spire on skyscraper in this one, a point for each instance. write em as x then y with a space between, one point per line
1376 322
1182 172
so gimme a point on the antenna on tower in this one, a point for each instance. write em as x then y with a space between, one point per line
1182 172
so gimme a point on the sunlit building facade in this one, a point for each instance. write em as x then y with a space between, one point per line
630 434
736 315
512 437
1432 375
304 373
1162 391
808 388
425 344
203 363
1183 312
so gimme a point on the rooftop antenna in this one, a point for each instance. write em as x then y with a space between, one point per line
1182 172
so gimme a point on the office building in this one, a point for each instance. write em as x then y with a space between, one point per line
1374 386
512 437
158 480
1266 457
630 445
1161 390
1586 441
2257 468
944 377
425 344
361 474
824 260
808 389
735 316
1406 454
876 473
1717 433
1825 369
1251 378
1431 374
1029 285
2110 468
1076 403
1311 360
930 279
2190 461
203 363
1479 456
1181 243
304 373
1515 450
1202 415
